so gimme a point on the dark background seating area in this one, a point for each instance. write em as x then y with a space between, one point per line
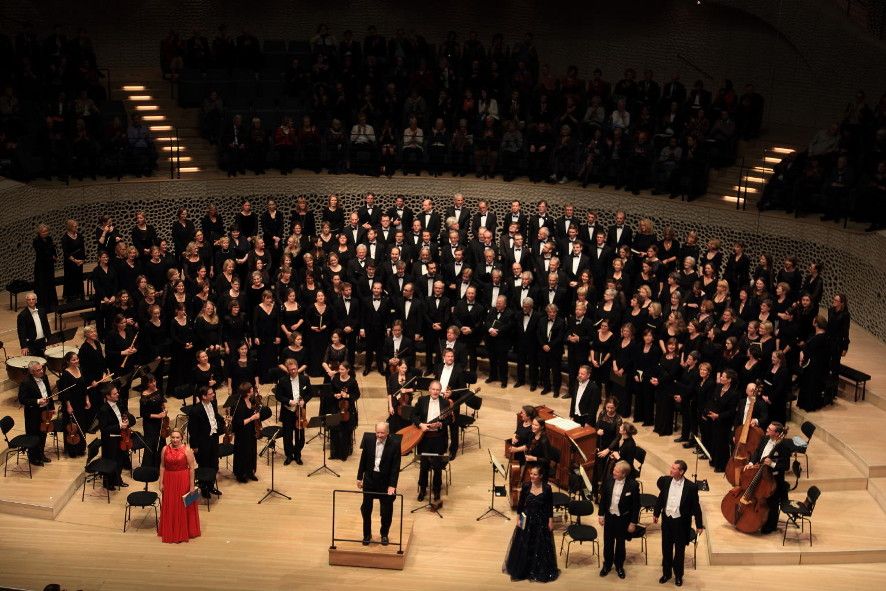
841 173
477 108
56 118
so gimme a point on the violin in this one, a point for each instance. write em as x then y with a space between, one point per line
125 438
344 407
48 415
229 429
301 417
256 405
165 428
403 398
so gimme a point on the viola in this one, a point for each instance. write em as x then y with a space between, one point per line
72 432
256 405
344 407
125 438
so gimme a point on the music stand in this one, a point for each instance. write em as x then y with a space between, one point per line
319 391
584 477
434 507
325 422
148 368
701 484
497 468
272 445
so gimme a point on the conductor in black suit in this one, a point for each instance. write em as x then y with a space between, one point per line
33 327
426 417
292 391
619 513
678 501
33 395
377 473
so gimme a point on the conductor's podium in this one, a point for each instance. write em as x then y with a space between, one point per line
347 548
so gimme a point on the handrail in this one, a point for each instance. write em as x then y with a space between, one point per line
398 543
178 154
738 192
692 65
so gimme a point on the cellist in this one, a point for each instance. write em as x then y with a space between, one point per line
754 404
774 452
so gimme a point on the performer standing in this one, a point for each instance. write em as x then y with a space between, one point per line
345 394
112 419
378 472
75 401
397 389
203 431
177 523
74 253
152 407
585 398
44 267
427 418
678 500
293 393
245 442
33 395
619 513
773 451
33 327
531 554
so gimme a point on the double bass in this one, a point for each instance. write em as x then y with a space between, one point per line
745 441
745 505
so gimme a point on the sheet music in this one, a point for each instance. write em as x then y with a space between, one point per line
562 423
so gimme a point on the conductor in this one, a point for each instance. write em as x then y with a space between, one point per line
377 473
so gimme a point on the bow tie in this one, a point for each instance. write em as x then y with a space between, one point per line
347 299
376 299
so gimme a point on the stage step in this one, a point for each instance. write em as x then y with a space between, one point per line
373 556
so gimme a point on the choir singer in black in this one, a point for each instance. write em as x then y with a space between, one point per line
378 472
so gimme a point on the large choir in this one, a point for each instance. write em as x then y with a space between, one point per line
692 338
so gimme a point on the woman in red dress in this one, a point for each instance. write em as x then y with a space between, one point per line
177 523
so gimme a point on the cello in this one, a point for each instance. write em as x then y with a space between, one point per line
745 505
745 441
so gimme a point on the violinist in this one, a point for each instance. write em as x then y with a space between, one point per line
75 402
399 394
608 427
152 407
293 392
397 346
204 428
342 401
112 420
245 443
623 449
451 376
426 417
33 394
774 452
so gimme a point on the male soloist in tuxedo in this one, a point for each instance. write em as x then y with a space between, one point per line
437 319
451 376
426 417
619 512
585 399
111 420
33 328
678 502
204 427
292 391
378 472
33 395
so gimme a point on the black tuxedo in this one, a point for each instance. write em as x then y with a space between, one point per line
588 234
464 219
499 345
405 219
551 377
488 296
293 439
29 397
405 351
561 226
413 323
381 253
491 224
372 218
110 435
509 256
357 271
436 312
457 381
432 223
521 220
435 442
204 444
566 264
585 412
600 262
374 323
526 346
577 353
560 299
781 458
536 223
27 331
356 235
394 283
471 317
348 317
378 481
478 258
675 531
615 525
627 236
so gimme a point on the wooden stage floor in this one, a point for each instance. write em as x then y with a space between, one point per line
46 537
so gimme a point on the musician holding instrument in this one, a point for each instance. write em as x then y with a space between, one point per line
336 352
34 396
75 403
204 428
522 436
243 421
342 401
400 393
113 420
773 451
676 505
426 417
539 448
608 427
619 513
398 346
293 392
93 366
152 407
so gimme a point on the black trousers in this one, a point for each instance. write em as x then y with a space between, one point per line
35 454
774 504
498 358
673 546
293 441
615 531
374 344
207 456
374 483
527 358
432 444
551 377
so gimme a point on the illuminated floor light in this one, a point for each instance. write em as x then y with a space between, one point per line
772 160
154 118
160 128
134 88
173 148
780 150
763 169
147 108
755 179
745 189
179 159
140 97
190 169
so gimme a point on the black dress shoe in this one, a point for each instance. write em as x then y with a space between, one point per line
37 463
688 444
287 461
366 540
298 461
533 388
421 495
663 579
384 541
365 372
605 571
544 392
504 385
253 477
620 572
217 492
678 581
46 459
556 395
519 384
487 381
242 479
680 440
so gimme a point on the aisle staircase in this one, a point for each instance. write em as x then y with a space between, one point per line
743 182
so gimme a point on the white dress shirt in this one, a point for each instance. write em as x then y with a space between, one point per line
433 410
210 412
445 376
379 448
35 315
675 493
617 488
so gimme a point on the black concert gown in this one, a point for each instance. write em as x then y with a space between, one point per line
245 442
531 554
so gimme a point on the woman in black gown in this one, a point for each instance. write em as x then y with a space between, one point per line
531 553
345 389
93 367
265 331
121 344
539 448
603 344
622 370
295 350
245 441
335 353
44 269
608 427
182 347
395 383
318 320
74 254
75 402
664 383
645 366
291 317
241 369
